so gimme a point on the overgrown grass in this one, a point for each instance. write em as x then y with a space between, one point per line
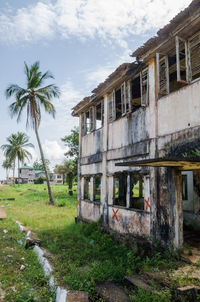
81 254
21 277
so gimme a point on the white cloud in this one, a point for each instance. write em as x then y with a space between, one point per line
94 77
53 150
64 121
106 19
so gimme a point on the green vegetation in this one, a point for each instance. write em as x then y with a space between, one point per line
80 253
15 149
21 277
32 99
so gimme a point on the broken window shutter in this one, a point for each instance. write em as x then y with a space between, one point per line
128 96
162 74
182 62
144 86
194 50
92 119
113 106
102 113
83 124
123 99
110 108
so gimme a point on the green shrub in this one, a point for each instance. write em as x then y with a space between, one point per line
146 296
39 181
61 203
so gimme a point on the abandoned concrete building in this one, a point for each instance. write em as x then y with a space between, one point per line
138 131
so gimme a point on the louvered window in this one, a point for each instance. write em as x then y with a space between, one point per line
194 53
144 85
162 74
111 107
182 62
83 124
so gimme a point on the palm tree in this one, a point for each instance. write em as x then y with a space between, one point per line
16 149
32 98
7 164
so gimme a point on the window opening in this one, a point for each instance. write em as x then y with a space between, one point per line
137 191
99 115
120 189
87 188
118 103
136 93
184 187
97 187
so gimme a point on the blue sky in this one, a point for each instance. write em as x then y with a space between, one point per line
80 42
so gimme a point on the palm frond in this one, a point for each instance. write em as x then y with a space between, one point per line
13 89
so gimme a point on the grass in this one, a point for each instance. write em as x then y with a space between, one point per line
81 254
21 277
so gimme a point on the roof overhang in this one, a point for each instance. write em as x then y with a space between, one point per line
179 163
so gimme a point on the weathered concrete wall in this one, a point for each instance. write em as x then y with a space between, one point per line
127 221
191 207
179 110
167 224
128 130
92 143
90 211
91 169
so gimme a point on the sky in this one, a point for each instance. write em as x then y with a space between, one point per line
81 42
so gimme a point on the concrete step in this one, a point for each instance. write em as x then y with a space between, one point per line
188 292
77 296
137 282
2 213
110 292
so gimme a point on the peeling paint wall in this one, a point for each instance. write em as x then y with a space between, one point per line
179 110
136 223
90 210
92 143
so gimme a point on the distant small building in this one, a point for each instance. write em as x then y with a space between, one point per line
39 173
57 179
26 174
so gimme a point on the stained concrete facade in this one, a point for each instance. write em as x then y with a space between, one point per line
149 109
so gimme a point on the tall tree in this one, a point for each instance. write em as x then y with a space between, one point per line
71 166
72 141
32 98
16 149
63 170
38 165
7 165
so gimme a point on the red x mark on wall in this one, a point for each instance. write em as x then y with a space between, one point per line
78 203
147 205
115 214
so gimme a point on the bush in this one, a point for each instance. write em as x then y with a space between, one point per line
39 181
61 203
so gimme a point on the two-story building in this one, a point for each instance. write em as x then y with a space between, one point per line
137 133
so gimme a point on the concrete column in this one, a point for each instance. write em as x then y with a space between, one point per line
140 188
128 193
147 199
168 223
110 181
178 210
92 188
104 191
79 189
